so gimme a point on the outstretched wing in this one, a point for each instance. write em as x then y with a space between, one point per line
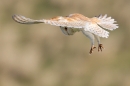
97 30
57 21
107 22
24 20
94 25
98 24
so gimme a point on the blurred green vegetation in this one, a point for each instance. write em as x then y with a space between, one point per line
41 55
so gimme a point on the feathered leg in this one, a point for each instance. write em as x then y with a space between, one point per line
92 38
100 46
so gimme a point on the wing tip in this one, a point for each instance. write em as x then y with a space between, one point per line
17 18
14 17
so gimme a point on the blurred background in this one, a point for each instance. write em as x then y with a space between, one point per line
41 55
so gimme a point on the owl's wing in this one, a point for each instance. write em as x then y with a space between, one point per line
98 24
24 20
94 25
57 21
97 30
107 22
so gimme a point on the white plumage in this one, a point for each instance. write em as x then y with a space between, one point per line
91 27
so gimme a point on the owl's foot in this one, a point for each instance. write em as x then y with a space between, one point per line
91 50
100 47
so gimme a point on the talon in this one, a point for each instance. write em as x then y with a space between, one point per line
92 48
100 47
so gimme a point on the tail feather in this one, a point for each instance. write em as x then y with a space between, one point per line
107 22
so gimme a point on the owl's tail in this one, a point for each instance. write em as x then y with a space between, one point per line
107 22
24 20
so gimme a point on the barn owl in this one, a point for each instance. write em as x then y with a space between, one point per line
91 27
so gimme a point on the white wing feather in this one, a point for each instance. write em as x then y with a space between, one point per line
94 26
107 22
64 23
60 22
24 20
97 30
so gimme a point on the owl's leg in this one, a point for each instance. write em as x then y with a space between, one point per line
92 38
100 46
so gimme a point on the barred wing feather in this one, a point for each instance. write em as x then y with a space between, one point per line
58 21
107 22
97 30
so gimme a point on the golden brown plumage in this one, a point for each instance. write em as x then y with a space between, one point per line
91 27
